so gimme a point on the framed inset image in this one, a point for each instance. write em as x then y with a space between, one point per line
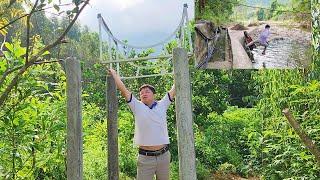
252 35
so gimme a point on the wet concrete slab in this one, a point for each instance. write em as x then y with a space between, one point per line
240 58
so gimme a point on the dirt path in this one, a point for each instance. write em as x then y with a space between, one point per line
230 176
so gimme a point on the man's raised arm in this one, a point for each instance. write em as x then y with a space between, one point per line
172 92
120 85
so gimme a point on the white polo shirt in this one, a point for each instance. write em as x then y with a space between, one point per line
150 122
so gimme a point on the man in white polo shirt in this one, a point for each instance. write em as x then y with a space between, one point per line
151 132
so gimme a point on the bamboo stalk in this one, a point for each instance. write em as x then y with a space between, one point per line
303 136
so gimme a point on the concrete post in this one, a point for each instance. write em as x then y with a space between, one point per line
186 151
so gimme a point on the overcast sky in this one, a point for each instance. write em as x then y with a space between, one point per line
138 21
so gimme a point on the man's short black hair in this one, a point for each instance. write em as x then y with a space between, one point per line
149 87
267 26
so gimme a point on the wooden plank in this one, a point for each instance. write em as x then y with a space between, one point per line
146 76
135 59
74 120
187 165
112 126
139 59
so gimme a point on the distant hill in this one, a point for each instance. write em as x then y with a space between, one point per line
265 3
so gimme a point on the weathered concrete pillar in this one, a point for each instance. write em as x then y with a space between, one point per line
74 120
112 126
186 151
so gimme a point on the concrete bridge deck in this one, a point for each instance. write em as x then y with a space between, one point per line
240 58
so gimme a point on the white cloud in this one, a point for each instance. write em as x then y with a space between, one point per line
125 4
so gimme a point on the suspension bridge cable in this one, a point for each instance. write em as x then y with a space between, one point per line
105 26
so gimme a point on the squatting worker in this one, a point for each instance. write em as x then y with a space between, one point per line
151 132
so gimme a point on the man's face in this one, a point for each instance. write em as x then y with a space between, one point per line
146 95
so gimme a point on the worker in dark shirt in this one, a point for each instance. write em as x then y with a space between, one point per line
247 40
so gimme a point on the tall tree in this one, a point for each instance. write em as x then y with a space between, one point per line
31 57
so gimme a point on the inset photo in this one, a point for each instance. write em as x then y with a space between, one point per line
252 34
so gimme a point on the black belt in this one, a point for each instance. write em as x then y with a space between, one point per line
154 153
